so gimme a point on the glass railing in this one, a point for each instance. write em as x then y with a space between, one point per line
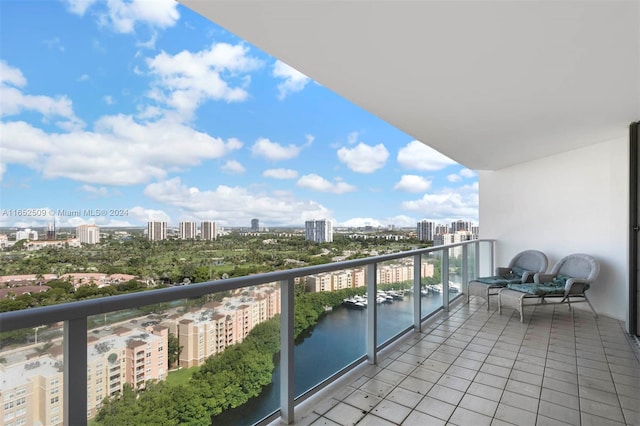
315 323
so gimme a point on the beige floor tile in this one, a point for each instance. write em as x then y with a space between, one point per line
514 415
523 388
480 405
436 408
520 401
484 391
344 414
601 410
362 400
417 418
558 412
391 411
405 397
446 394
560 398
591 420
454 382
464 417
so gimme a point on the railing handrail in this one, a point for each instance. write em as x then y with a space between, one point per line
33 317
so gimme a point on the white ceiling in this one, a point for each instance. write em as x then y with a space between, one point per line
488 83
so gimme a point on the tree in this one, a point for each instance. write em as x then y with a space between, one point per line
173 349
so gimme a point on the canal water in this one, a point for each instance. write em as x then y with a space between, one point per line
334 342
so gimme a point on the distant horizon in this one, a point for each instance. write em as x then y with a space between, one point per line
167 116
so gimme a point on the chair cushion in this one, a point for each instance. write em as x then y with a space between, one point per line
497 281
549 288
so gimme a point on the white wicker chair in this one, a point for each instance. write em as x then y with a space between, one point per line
521 269
570 277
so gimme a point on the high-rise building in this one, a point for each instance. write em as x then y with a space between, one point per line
27 234
88 234
255 225
208 230
320 231
157 231
187 230
51 234
425 230
460 225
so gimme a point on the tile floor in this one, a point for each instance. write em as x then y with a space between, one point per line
471 366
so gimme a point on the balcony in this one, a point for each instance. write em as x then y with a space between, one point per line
470 366
458 363
75 315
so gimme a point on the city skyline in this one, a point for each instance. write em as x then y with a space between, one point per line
126 117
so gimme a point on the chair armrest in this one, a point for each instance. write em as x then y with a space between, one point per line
575 286
539 278
501 271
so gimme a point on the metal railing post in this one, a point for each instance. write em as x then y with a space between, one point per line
75 372
372 313
286 350
465 270
493 255
476 270
445 279
417 296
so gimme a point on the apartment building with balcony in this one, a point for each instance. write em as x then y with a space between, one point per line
209 330
31 392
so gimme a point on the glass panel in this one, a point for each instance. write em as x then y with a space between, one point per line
455 272
331 318
431 291
472 258
31 362
195 358
394 298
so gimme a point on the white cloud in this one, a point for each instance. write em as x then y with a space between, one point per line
463 173
364 158
79 7
13 101
141 214
233 167
280 173
412 183
457 203
187 79
418 156
467 173
360 222
108 100
95 191
84 77
119 150
293 80
318 183
273 150
234 206
122 16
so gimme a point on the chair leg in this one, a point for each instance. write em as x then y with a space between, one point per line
522 309
499 303
488 297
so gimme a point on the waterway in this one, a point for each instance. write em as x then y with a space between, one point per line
335 341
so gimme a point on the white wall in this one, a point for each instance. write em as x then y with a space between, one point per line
575 202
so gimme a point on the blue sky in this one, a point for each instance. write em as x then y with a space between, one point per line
148 107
